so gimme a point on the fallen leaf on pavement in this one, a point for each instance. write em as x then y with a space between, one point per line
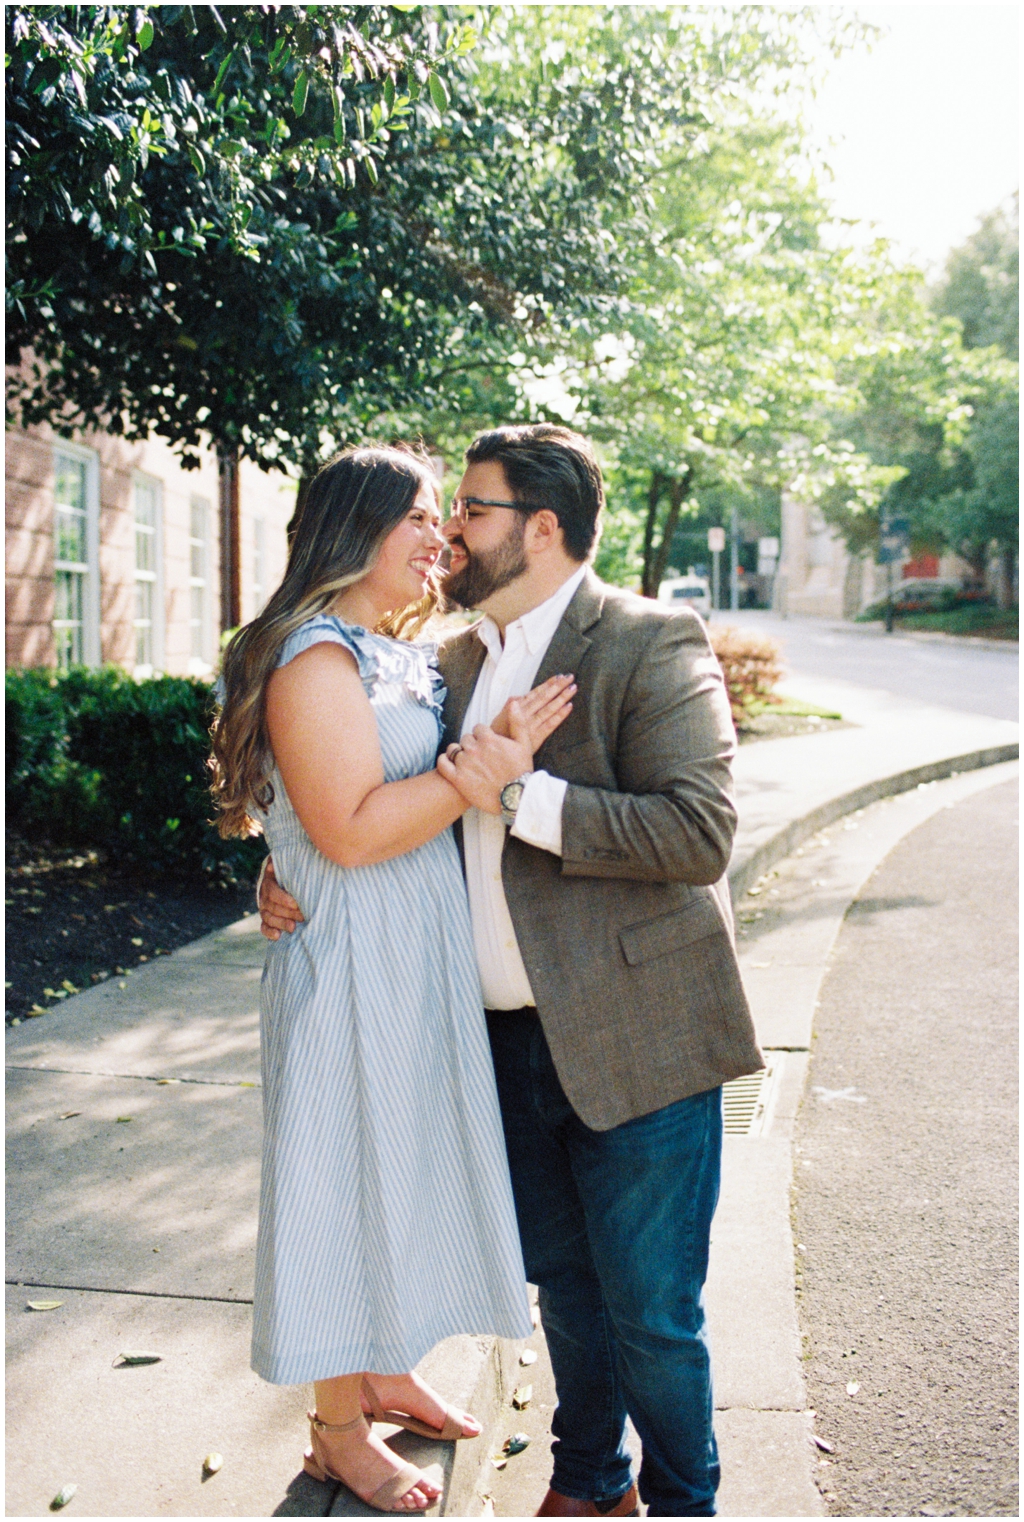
44 1305
123 1119
213 1462
522 1396
487 1510
515 1444
527 1357
135 1358
62 1497
819 1442
499 1463
68 1114
535 1314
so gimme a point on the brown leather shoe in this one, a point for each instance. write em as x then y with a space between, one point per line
554 1505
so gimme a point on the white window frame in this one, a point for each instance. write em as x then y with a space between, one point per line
89 569
200 665
156 576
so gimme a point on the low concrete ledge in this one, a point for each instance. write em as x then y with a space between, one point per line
745 872
474 1374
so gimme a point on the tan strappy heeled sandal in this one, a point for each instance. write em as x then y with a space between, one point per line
451 1432
387 1496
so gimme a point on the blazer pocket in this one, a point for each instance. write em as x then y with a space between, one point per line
671 932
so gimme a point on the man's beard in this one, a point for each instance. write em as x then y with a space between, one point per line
488 571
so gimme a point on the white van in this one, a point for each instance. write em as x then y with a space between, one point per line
689 591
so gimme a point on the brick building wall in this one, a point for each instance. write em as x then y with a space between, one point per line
113 552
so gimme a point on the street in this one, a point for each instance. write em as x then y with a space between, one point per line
951 675
905 1180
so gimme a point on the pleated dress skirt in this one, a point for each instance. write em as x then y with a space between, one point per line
386 1218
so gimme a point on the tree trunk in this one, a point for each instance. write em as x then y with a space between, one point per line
654 492
675 503
1007 566
656 558
230 538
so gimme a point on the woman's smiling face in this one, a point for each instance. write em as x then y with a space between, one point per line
408 554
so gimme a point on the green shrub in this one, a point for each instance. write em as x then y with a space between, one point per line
95 758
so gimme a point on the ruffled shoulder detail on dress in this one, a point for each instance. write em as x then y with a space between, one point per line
435 696
326 629
380 658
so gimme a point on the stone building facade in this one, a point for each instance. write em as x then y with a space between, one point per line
117 554
818 576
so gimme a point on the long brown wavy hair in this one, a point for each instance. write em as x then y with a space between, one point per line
351 507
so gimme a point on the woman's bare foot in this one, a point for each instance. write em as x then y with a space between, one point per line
364 1462
411 1395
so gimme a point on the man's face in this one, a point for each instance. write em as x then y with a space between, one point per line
487 543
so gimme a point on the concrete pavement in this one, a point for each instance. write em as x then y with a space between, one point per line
905 1196
138 1212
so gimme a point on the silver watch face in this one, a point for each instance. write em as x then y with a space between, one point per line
511 796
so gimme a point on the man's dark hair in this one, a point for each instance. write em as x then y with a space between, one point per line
553 467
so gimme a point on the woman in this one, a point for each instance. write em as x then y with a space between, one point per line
386 1218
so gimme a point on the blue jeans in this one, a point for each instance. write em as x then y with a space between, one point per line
615 1227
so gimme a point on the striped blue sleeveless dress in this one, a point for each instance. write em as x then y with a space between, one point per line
386 1219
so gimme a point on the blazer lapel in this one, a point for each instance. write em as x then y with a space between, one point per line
459 661
569 642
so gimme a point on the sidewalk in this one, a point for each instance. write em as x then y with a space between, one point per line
133 1118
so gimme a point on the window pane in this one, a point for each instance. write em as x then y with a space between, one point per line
198 620
144 601
145 504
69 647
145 549
197 565
199 511
69 535
69 485
68 601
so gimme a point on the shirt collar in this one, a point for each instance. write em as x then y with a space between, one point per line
538 626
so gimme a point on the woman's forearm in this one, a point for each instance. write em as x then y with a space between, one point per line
393 818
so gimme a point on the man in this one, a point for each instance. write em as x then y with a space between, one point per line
603 934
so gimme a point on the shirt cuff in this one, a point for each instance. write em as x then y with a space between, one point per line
539 815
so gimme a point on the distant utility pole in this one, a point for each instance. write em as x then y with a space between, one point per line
716 544
734 560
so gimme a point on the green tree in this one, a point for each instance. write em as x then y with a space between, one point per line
981 283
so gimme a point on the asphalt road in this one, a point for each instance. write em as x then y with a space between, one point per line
951 676
905 1169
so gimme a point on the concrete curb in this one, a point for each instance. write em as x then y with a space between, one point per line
746 873
927 636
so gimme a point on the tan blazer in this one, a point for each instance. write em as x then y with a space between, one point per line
627 938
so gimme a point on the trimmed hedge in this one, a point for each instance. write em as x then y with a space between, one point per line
95 758
751 664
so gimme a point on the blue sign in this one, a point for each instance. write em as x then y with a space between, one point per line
893 540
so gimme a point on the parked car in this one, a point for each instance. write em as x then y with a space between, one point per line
689 591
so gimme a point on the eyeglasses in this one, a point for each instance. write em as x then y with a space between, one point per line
461 506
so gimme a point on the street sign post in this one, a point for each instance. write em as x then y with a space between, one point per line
716 544
893 548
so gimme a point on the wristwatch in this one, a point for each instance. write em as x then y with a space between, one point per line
511 797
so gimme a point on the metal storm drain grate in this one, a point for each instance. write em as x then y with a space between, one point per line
745 1101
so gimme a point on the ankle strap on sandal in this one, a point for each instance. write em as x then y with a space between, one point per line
337 1427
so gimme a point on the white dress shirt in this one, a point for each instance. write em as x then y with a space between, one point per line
509 671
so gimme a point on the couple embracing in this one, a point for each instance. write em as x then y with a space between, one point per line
496 1034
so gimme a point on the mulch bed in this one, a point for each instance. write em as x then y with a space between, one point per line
74 920
779 726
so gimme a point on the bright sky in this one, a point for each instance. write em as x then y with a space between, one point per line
926 123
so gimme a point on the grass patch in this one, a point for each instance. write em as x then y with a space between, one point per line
979 619
788 707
